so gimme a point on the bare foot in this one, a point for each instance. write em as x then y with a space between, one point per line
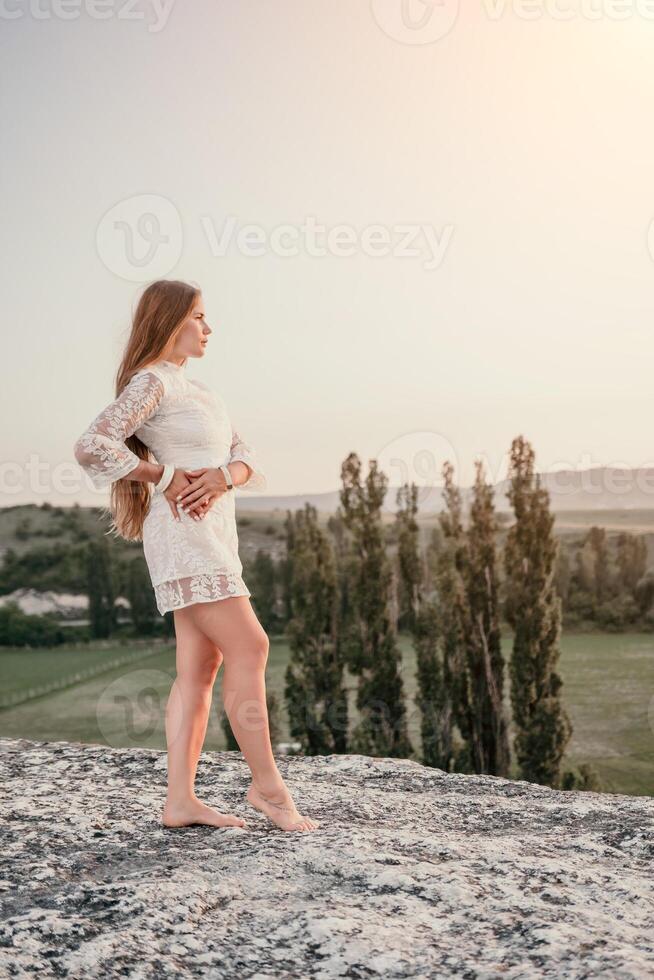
280 808
194 812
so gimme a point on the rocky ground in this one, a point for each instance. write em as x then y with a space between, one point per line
414 873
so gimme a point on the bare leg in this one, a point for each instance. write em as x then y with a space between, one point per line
231 624
187 717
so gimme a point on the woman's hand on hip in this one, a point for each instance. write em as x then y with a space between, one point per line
179 483
206 485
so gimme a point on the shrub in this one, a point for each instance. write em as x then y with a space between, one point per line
18 629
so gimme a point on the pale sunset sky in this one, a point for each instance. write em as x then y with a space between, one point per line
482 185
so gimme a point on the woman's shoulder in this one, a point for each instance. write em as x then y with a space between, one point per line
152 372
156 368
148 382
173 382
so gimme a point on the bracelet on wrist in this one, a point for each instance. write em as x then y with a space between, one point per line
228 477
165 479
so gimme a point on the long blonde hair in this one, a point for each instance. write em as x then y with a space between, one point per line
161 311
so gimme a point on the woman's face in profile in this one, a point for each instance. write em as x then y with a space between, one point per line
193 337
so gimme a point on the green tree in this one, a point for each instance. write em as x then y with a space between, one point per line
263 577
410 571
597 542
100 588
631 559
19 629
644 594
24 529
584 778
472 652
142 603
346 577
422 620
534 611
454 624
316 698
563 575
487 729
372 643
285 571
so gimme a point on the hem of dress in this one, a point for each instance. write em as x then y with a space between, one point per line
193 602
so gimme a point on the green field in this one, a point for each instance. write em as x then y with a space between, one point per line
608 689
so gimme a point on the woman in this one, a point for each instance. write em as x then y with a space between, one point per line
182 507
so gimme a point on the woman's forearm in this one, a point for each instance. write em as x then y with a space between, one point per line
146 472
240 472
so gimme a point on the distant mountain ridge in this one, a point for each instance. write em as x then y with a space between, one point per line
599 488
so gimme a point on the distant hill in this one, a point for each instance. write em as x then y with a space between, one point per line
602 488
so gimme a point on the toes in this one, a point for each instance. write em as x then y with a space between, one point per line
305 825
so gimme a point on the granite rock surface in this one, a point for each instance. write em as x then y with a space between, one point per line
413 873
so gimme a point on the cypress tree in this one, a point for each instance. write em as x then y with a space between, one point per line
422 621
315 695
372 643
346 575
100 588
411 575
631 560
286 570
263 576
487 729
597 542
533 610
454 626
473 665
142 604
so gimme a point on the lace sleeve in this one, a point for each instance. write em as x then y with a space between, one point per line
240 450
101 449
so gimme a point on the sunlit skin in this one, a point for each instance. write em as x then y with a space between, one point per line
224 631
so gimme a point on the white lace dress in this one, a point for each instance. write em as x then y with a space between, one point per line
183 422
